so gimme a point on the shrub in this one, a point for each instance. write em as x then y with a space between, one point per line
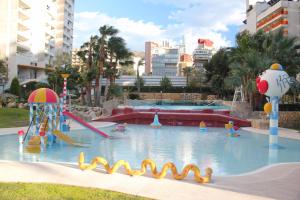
115 91
41 85
165 83
134 96
142 82
15 87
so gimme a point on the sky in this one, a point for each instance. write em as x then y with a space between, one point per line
156 20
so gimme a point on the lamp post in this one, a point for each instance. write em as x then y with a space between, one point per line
65 77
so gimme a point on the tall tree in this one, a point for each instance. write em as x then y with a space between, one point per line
15 87
187 71
118 55
105 32
217 69
247 61
165 83
138 78
254 53
88 55
282 49
3 68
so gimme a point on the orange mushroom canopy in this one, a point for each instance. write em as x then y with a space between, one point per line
43 95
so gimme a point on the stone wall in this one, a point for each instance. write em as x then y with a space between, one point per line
287 119
177 96
241 109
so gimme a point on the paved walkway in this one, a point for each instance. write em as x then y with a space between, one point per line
278 182
259 186
283 132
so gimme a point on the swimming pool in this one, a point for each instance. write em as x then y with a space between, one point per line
181 145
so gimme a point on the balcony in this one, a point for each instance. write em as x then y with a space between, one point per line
23 36
24 58
25 4
23 25
50 33
24 14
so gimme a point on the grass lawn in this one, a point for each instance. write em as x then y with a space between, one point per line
33 191
13 117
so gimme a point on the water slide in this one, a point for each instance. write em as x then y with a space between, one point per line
67 139
85 124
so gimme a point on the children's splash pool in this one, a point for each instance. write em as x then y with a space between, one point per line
181 145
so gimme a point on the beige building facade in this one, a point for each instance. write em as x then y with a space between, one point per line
76 60
31 34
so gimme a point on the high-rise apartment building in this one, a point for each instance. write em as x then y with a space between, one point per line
31 33
64 25
203 53
76 60
272 15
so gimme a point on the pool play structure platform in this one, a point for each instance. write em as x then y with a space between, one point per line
212 118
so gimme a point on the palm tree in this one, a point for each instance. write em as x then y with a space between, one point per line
245 72
284 50
88 55
138 79
3 68
187 71
3 72
105 32
247 61
118 54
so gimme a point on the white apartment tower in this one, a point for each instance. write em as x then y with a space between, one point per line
271 15
31 33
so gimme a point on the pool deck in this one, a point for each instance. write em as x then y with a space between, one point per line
275 182
278 182
283 132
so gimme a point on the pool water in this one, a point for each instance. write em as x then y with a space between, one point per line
177 105
181 145
171 107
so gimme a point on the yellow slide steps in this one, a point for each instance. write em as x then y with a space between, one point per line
145 163
34 145
67 139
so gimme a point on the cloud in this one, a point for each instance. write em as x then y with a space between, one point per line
134 32
192 18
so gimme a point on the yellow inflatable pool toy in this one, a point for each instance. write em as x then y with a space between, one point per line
145 163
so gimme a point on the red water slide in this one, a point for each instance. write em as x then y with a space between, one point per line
85 124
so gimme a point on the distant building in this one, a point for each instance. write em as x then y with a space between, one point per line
149 51
165 62
186 60
203 53
177 81
31 33
76 60
272 15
